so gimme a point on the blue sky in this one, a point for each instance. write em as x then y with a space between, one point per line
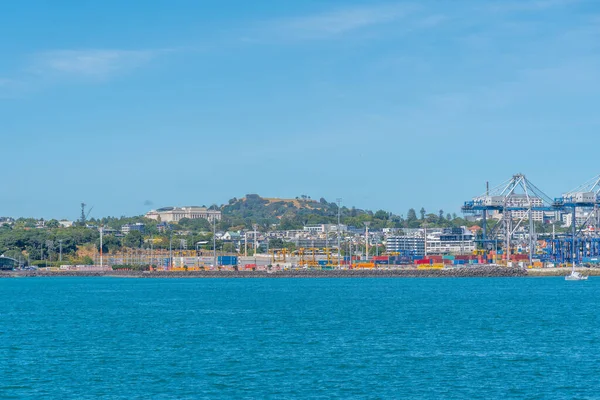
395 104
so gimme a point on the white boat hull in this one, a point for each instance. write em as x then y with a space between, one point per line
575 276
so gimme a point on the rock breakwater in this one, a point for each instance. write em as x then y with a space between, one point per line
474 272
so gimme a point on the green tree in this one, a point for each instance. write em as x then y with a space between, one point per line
411 215
109 244
195 225
380 214
133 239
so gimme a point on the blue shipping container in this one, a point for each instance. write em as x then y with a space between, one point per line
228 260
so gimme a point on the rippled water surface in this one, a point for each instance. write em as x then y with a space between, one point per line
299 338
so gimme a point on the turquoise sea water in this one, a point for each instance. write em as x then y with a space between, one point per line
299 338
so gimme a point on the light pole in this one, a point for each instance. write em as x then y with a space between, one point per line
197 258
101 254
367 240
49 245
214 241
350 251
425 239
151 250
339 232
170 247
327 243
255 226
60 250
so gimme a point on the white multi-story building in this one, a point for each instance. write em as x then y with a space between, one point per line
451 241
138 226
582 217
175 214
322 228
413 245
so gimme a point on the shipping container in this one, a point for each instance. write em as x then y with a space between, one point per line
227 260
591 260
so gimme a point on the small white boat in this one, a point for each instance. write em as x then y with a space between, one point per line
575 276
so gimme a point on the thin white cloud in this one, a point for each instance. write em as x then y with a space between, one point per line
341 21
96 64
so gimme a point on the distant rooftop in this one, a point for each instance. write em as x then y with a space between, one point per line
162 209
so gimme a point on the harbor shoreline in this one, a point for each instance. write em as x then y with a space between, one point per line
466 272
491 271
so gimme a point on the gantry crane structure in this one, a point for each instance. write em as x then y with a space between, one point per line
516 199
576 247
520 196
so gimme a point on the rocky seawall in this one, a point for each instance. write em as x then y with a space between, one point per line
473 272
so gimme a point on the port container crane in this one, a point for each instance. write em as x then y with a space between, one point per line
517 197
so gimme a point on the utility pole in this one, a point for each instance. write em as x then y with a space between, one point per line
60 250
